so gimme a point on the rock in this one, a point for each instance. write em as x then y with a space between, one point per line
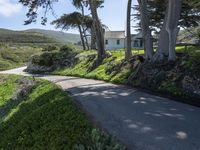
91 57
108 54
25 86
191 85
159 77
36 68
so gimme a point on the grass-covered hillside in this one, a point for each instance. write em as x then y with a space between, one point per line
10 36
180 79
15 56
59 36
39 115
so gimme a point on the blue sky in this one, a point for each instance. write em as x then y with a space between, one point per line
12 14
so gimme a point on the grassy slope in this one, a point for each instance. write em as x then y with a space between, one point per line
58 35
81 69
15 56
45 119
10 36
121 76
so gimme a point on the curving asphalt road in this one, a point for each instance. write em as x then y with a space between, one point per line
140 120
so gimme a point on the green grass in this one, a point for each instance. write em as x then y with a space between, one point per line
45 119
6 88
116 72
15 56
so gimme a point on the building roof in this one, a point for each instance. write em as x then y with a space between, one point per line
115 34
137 36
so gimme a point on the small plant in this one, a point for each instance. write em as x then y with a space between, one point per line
172 88
50 48
98 140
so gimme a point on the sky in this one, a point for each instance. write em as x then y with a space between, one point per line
13 14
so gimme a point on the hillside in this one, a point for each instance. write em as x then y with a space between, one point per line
57 35
37 36
10 36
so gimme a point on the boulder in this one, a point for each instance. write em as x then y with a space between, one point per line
37 68
191 85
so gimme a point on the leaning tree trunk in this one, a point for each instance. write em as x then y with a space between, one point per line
84 29
86 40
93 39
174 11
82 38
146 31
128 53
99 31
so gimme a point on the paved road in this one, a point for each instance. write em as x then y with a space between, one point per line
140 120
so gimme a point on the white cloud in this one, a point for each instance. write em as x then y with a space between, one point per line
8 7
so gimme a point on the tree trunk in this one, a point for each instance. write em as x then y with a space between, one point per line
86 40
146 31
84 30
82 38
99 31
172 26
128 53
93 39
163 41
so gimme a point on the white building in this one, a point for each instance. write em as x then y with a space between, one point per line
117 40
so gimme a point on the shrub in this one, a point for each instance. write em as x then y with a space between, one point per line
50 48
6 54
98 140
4 65
46 59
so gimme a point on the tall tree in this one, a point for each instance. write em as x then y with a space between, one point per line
173 15
80 4
34 5
128 53
146 31
99 31
72 20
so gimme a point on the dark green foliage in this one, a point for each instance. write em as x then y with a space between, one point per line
97 140
67 21
5 65
49 48
45 59
172 88
64 56
192 62
157 10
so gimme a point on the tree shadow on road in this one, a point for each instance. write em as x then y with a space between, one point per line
138 117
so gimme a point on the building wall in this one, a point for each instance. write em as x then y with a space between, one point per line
112 44
137 43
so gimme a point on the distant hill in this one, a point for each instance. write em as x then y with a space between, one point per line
37 36
10 36
58 35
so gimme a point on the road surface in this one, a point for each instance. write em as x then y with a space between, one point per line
142 121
